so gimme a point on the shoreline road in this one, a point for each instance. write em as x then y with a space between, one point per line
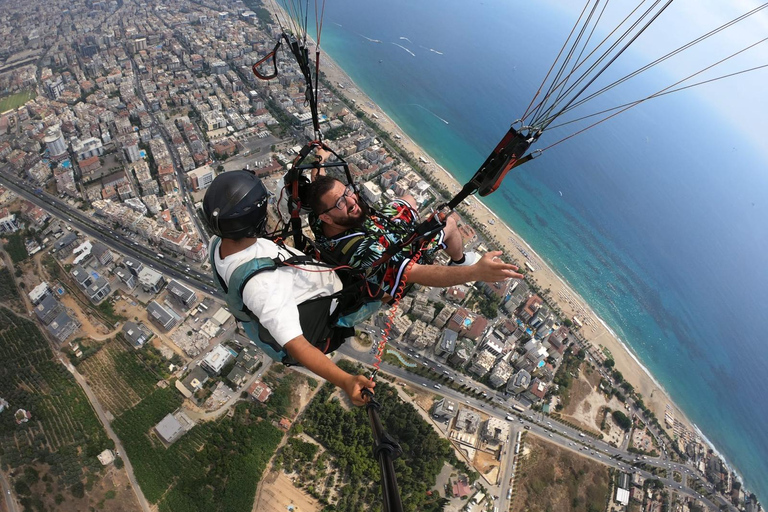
111 433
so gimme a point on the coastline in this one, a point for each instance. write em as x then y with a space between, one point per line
595 330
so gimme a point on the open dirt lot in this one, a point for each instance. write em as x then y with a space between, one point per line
278 495
551 478
487 465
587 402
276 492
112 492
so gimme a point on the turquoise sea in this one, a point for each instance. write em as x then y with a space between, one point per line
658 218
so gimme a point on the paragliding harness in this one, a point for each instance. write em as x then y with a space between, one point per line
559 97
508 154
324 329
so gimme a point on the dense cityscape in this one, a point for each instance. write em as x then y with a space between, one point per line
127 385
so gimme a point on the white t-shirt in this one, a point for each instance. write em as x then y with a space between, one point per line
272 295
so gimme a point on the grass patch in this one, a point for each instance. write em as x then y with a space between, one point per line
15 100
15 248
118 376
108 311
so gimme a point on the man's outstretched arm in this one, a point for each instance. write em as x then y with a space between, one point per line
315 361
490 269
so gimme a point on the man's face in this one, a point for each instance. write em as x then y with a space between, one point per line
342 207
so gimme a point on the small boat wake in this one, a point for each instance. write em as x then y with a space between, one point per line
337 24
369 39
406 39
431 49
404 48
425 108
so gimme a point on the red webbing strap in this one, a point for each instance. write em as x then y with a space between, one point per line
392 311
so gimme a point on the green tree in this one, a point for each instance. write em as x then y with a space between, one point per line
78 490
622 420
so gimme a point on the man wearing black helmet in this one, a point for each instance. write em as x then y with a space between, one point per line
267 299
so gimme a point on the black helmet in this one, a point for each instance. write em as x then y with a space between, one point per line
235 205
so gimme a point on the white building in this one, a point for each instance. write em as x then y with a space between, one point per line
150 280
87 148
38 292
132 152
371 192
201 177
8 222
500 374
216 359
496 430
54 141
483 363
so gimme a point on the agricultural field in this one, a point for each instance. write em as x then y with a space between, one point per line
552 478
118 376
15 100
63 435
213 467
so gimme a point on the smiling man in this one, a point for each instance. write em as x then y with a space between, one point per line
348 232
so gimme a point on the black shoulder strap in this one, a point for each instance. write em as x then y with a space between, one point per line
343 249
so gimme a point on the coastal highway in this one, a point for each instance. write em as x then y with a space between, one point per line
120 243
562 435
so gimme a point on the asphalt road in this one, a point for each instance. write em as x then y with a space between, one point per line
10 502
180 177
117 241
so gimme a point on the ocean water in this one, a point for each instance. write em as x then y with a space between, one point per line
658 218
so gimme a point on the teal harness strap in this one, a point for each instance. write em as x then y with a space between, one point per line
319 326
234 297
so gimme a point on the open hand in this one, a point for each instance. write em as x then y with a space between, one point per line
491 268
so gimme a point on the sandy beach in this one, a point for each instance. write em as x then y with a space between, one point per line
571 304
